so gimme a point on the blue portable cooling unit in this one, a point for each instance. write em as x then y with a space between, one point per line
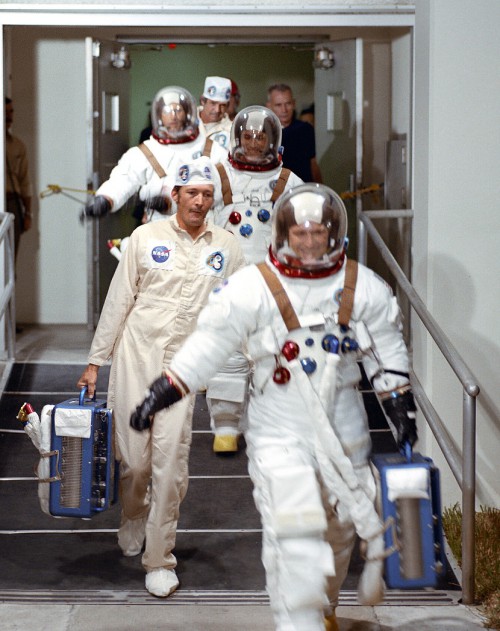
82 463
417 533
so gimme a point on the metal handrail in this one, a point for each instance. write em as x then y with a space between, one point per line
7 292
462 466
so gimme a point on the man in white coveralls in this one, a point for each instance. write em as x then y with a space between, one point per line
160 285
212 112
307 315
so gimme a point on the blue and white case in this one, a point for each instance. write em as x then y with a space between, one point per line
82 459
410 498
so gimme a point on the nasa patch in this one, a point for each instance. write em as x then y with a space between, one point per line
160 253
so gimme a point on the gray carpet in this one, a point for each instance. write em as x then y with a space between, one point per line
218 542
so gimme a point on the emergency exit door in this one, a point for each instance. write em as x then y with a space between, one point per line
338 99
108 89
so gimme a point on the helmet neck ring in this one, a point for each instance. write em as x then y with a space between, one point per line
248 166
297 272
177 141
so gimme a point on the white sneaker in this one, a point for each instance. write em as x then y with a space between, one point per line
371 584
131 535
161 582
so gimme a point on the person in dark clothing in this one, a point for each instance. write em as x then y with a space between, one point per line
17 179
299 145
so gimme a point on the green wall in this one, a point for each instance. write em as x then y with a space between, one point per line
253 68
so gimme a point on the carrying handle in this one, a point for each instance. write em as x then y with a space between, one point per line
406 450
82 395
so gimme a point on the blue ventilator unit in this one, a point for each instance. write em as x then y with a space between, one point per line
83 470
410 499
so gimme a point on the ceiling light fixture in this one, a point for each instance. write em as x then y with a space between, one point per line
323 59
121 59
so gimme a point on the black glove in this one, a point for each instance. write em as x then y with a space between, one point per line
99 207
401 410
161 394
159 203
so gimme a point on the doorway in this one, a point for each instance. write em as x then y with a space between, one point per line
52 281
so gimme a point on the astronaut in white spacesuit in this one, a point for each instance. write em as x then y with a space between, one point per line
212 113
252 180
150 167
308 315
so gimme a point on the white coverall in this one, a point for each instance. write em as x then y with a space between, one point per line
134 171
301 517
251 199
160 285
219 132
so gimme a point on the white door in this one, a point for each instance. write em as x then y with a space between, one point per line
108 87
338 98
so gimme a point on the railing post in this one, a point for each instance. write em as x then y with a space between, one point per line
467 480
362 242
468 499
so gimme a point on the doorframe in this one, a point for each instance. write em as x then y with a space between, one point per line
221 17
91 226
252 23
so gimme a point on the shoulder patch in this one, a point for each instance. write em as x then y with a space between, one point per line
216 260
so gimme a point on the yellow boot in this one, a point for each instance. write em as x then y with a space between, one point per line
225 443
331 623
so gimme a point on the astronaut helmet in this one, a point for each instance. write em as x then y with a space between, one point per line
309 232
174 117
255 140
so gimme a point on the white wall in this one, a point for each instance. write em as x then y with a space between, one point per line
457 216
50 117
401 88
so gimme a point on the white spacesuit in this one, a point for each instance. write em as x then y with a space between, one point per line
252 184
307 433
150 168
252 180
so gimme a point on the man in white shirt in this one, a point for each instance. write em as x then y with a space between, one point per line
162 282
212 112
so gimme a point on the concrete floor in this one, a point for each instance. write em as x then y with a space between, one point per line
423 612
48 617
